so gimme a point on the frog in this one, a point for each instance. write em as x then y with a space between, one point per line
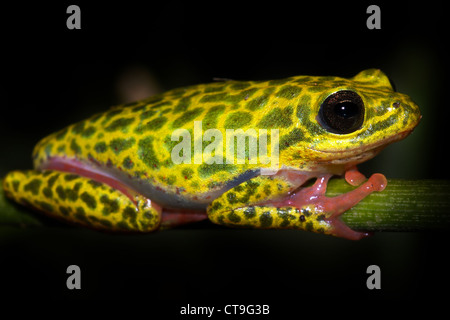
116 171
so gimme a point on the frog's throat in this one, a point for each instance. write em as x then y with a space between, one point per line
357 155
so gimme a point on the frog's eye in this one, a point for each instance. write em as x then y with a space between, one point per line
342 112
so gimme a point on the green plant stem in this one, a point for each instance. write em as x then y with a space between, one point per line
405 205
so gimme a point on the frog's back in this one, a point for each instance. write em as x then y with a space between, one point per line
135 138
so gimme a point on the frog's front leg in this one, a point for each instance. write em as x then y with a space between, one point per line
81 200
270 202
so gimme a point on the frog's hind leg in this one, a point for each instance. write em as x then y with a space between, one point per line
83 201
244 205
307 208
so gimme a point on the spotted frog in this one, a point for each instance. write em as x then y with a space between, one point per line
127 170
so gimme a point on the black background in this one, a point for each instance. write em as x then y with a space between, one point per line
52 77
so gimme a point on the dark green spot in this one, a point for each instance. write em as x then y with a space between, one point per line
186 117
88 132
147 154
250 212
306 212
291 138
118 145
61 193
380 126
277 118
289 92
33 186
48 193
266 219
233 217
72 194
95 184
303 114
75 147
258 103
215 206
147 114
216 97
80 214
110 114
128 163
187 173
206 170
130 214
231 197
267 190
100 147
89 200
71 177
320 217
171 180
119 124
51 181
148 215
152 125
184 103
109 206
238 120
211 117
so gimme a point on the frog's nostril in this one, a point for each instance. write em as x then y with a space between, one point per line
396 104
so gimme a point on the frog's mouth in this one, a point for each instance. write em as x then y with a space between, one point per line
358 154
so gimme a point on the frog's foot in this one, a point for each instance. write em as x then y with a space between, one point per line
306 208
329 209
84 201
354 177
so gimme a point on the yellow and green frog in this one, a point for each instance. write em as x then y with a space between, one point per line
127 170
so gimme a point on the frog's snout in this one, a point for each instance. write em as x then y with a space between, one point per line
410 112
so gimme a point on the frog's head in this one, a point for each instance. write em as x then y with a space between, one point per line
349 121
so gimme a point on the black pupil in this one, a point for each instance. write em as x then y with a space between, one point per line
342 112
346 110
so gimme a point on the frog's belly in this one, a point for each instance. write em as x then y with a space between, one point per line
123 182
